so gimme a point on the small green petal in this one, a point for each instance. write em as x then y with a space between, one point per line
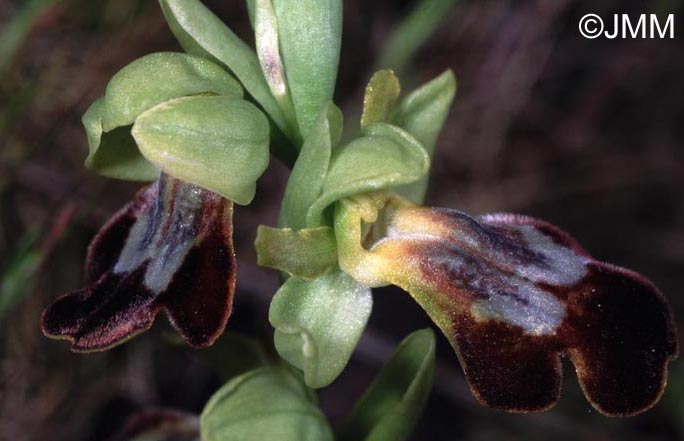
319 323
381 95
306 253
217 142
386 156
264 404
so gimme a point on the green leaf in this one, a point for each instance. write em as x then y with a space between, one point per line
319 323
217 142
19 278
263 404
413 32
306 253
391 406
202 33
423 113
160 77
306 180
114 154
310 34
381 95
386 156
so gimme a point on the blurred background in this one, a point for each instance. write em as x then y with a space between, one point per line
587 134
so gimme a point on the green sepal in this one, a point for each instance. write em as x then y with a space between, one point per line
319 323
306 253
160 77
423 113
393 403
310 33
114 154
384 157
306 180
264 404
202 33
139 86
217 142
380 98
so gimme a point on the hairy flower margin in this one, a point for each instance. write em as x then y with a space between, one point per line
512 294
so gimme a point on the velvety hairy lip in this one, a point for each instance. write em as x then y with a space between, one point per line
170 248
513 294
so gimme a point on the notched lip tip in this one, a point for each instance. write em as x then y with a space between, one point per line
78 349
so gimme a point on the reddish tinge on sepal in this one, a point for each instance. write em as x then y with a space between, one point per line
170 248
513 294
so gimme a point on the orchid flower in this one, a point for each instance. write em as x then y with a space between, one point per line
180 120
512 294
171 248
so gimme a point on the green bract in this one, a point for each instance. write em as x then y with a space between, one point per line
391 406
422 113
217 142
263 404
141 85
310 36
308 174
319 322
200 32
384 157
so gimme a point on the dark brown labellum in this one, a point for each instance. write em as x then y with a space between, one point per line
513 294
171 249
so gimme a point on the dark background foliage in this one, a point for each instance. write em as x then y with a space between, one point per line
587 134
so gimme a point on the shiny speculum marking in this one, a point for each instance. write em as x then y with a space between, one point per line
162 236
513 294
